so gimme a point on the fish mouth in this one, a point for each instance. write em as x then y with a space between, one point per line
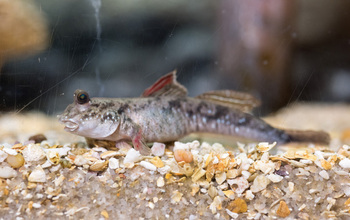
70 125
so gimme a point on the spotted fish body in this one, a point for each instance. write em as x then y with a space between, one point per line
165 113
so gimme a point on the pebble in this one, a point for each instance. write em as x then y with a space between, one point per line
260 183
3 156
237 206
158 149
37 138
16 161
132 156
10 151
283 210
99 165
113 163
33 152
275 178
345 163
183 155
7 172
148 165
38 175
324 174
160 182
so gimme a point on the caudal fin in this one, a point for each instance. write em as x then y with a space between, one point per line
310 136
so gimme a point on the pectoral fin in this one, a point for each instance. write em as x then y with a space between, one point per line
166 86
233 99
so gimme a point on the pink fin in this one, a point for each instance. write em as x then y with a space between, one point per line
166 86
233 99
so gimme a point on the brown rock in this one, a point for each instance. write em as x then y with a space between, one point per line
283 210
237 206
38 138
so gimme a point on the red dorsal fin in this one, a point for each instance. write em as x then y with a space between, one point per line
166 86
233 99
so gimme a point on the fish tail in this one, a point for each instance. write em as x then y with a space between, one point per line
310 136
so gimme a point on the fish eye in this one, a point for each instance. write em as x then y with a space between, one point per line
81 96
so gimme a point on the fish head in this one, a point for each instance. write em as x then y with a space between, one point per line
89 117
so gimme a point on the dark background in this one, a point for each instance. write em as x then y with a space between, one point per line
294 50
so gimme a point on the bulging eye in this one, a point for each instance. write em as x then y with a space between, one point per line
81 97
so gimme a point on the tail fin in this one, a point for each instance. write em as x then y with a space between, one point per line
319 137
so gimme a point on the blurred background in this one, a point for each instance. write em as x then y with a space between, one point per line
278 51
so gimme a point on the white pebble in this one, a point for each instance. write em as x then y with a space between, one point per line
324 174
232 214
36 205
33 152
260 183
158 149
160 182
38 175
3 156
148 165
345 163
10 151
132 156
113 163
275 178
7 172
249 195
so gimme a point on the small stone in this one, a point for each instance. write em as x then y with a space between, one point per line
7 172
176 197
345 163
108 154
156 161
229 194
10 151
265 146
216 204
148 165
326 164
53 157
160 182
231 174
324 174
239 185
249 195
283 210
212 191
260 183
158 149
33 152
183 155
232 214
3 156
151 205
38 175
132 156
16 161
237 206
37 138
198 173
220 177
104 213
99 165
275 178
59 180
347 202
113 163
80 160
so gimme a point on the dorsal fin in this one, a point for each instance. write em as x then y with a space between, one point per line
166 86
233 99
